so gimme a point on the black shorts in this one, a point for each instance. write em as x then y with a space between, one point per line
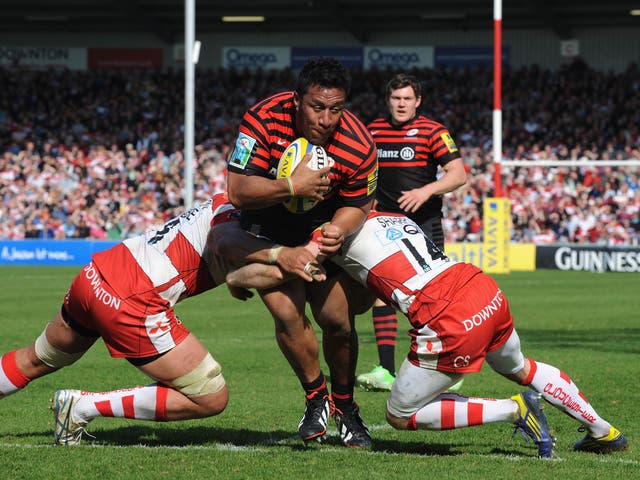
286 228
433 228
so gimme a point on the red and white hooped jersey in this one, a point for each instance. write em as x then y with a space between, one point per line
392 255
171 261
457 313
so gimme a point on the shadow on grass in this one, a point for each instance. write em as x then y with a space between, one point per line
229 439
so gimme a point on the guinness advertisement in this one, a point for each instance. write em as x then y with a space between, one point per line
592 258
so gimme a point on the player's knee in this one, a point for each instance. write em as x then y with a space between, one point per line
287 315
214 403
205 385
52 356
336 323
397 422
290 326
521 376
337 329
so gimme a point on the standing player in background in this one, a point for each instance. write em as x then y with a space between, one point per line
410 147
315 110
126 296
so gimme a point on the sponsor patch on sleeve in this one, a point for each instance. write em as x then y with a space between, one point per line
372 182
448 141
242 151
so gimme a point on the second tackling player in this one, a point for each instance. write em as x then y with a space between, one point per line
459 318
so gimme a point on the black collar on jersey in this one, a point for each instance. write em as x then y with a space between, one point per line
400 126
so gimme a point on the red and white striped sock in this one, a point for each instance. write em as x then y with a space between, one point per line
558 389
142 403
449 410
11 378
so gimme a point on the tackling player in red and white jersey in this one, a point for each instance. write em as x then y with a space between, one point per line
459 318
126 296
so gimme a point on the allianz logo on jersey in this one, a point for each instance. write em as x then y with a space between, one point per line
407 153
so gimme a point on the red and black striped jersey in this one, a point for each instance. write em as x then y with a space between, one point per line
266 130
408 158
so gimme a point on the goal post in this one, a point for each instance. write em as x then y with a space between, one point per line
571 163
496 214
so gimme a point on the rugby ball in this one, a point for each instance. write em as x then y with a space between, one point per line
290 159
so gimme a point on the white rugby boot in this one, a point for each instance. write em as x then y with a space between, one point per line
68 429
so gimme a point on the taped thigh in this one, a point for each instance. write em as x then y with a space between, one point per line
507 359
51 356
206 378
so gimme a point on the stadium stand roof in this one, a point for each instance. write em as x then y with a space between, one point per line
359 18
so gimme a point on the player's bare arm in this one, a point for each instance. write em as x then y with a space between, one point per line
454 177
254 275
253 191
229 240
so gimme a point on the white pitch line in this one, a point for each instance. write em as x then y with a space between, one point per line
230 447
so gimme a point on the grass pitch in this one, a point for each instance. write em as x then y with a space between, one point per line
586 324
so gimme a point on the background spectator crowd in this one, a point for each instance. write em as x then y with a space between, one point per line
98 154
